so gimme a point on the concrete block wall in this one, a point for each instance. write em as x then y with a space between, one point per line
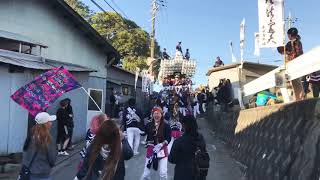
280 142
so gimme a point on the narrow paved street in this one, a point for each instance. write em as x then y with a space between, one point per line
223 167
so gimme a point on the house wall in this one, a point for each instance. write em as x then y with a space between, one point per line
248 73
232 74
38 20
79 101
126 79
14 118
5 88
14 121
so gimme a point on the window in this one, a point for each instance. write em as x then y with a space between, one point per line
97 95
16 46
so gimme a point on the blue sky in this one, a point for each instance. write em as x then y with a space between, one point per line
207 26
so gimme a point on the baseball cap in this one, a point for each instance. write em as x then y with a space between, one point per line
44 117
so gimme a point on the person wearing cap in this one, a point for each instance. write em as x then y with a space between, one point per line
39 151
158 137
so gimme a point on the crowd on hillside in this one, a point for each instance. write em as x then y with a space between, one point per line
168 131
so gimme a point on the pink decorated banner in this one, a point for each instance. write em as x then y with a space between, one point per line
46 88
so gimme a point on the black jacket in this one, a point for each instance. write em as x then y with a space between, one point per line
63 118
151 134
127 153
182 154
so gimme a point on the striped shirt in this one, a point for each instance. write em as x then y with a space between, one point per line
175 126
89 138
315 77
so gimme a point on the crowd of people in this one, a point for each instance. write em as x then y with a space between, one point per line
176 80
166 129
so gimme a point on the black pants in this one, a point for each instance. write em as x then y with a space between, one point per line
70 133
64 134
305 85
315 89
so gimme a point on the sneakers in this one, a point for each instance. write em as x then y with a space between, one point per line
136 153
63 153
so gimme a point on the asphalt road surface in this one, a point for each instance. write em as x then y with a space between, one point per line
222 166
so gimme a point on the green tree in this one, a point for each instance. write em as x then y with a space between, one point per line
126 36
131 41
82 9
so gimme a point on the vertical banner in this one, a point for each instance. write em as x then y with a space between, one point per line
242 39
271 23
234 59
136 78
256 44
144 81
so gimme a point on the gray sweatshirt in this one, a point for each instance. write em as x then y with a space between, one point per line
43 162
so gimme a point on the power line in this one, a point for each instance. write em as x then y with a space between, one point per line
113 9
114 3
115 20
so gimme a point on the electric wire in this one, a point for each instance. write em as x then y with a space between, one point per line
123 13
115 20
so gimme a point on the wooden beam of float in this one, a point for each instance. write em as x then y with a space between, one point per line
301 66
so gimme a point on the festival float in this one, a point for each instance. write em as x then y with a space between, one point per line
176 74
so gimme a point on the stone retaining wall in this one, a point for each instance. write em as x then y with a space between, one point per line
279 142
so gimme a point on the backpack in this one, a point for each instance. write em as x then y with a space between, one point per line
201 161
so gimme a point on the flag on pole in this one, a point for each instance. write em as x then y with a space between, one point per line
144 81
256 45
136 78
242 38
234 59
271 23
37 95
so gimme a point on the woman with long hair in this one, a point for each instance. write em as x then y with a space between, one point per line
39 151
183 151
158 137
95 124
105 156
175 125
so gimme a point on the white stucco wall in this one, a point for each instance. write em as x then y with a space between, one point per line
39 21
232 74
